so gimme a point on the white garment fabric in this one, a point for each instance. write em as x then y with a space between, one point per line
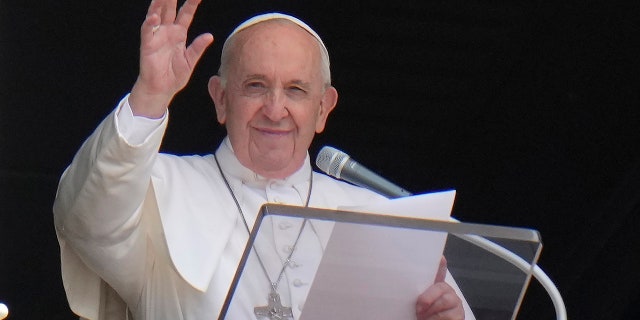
146 235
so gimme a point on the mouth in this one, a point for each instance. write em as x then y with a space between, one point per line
273 132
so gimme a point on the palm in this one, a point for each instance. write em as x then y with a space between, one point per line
166 61
163 63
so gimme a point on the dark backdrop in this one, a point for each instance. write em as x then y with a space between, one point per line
529 109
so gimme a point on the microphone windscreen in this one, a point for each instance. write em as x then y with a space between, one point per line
330 159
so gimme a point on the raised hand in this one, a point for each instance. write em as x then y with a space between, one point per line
166 62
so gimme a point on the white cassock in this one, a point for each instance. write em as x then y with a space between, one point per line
146 235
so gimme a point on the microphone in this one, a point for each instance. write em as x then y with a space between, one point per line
340 165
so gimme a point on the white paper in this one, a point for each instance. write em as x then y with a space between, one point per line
371 272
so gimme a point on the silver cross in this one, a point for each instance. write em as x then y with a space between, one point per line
275 310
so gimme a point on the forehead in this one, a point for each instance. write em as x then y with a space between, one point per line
279 42
277 34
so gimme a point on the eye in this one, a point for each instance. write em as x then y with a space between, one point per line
297 90
254 88
255 84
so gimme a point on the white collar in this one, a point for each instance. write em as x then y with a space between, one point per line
239 173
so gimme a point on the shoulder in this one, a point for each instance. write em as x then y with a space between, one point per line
190 172
170 163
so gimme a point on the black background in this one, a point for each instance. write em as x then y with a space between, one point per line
529 109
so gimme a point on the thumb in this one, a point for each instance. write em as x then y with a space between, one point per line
442 270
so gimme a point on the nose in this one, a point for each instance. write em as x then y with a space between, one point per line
275 105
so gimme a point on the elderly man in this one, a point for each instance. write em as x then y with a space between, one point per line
146 235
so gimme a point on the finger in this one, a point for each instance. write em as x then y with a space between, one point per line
154 7
148 27
449 314
429 296
442 270
196 49
442 310
168 10
187 12
439 300
439 306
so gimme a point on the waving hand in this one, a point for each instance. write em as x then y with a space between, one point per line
166 61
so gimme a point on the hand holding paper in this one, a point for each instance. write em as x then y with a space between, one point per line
379 272
440 300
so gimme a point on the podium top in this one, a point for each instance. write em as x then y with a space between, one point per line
452 227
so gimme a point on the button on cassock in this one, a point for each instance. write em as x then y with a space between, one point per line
298 283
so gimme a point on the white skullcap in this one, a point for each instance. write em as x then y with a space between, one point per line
275 15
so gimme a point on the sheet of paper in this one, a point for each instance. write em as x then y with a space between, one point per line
374 272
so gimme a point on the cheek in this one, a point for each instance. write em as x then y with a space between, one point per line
237 129
307 123
240 113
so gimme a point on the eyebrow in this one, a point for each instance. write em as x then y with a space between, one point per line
254 77
297 82
303 84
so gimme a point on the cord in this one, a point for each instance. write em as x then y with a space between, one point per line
538 273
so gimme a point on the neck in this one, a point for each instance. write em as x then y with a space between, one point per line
275 171
246 167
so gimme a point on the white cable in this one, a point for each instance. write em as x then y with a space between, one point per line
538 273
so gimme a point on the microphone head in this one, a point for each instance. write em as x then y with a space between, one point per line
331 160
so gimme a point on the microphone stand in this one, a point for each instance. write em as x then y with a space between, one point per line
517 261
524 266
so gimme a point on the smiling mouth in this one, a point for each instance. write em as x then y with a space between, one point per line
274 132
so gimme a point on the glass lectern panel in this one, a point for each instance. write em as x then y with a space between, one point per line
308 264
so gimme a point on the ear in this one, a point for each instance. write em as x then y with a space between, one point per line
217 93
327 103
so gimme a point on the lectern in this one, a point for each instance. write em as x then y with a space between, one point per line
388 259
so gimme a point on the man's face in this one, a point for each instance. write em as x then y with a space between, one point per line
275 99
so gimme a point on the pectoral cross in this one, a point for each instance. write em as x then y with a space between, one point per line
275 310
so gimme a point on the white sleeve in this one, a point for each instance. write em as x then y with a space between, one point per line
134 129
97 209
